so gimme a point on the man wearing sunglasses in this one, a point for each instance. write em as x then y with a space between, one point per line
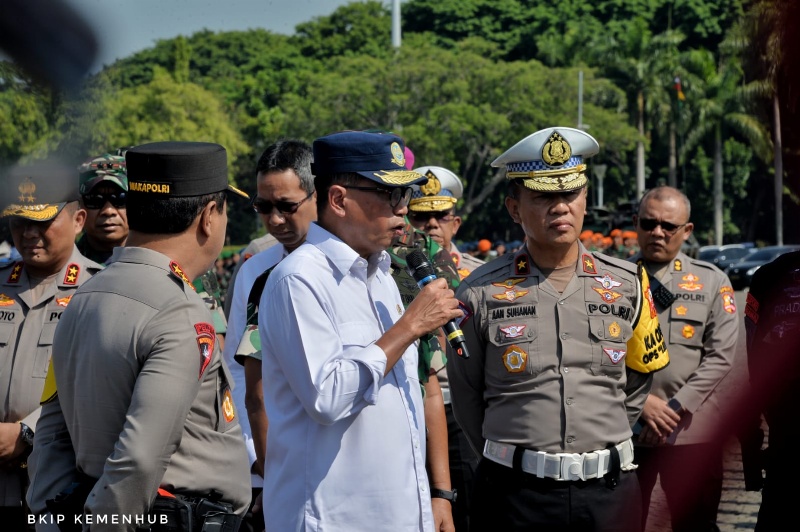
433 209
103 186
700 322
563 344
346 442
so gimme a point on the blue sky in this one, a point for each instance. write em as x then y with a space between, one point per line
128 26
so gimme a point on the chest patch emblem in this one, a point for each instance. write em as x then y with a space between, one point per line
687 331
63 301
515 359
5 300
681 310
614 330
227 406
607 282
691 284
205 343
614 354
608 296
513 331
510 290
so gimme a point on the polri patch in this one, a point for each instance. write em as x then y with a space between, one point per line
510 291
206 337
691 284
588 264
515 359
71 276
614 354
63 301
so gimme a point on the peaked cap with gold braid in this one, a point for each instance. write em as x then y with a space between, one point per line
440 193
550 160
38 191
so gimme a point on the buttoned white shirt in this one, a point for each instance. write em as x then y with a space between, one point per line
237 323
346 444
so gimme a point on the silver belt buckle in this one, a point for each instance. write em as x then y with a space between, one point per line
571 466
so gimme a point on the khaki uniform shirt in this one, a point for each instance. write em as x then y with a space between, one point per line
701 328
465 263
547 371
26 340
143 392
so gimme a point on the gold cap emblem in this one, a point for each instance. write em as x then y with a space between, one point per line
556 151
433 186
26 190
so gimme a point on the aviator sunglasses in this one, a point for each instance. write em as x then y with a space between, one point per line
398 196
263 206
96 201
423 217
649 224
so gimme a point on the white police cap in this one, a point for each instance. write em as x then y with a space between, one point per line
440 193
550 160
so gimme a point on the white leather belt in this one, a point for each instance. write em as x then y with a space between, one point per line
561 466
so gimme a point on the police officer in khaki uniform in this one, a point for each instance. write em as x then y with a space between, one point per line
563 344
698 315
432 210
40 204
145 397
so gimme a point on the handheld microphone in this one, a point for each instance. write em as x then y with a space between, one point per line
423 273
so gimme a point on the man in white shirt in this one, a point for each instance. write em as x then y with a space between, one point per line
346 438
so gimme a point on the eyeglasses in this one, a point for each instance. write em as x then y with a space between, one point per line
423 217
398 196
97 201
263 206
648 224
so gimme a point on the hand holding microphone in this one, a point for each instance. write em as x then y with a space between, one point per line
423 273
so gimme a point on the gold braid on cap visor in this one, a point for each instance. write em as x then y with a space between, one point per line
439 203
552 180
397 177
32 212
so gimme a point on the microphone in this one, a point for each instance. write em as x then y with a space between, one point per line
423 273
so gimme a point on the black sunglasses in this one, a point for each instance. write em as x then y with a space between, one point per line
398 196
263 206
423 217
649 224
97 201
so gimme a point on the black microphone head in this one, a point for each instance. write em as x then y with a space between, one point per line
419 266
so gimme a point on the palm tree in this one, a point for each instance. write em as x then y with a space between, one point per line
719 101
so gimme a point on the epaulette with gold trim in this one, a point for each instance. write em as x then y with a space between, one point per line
177 271
16 273
71 275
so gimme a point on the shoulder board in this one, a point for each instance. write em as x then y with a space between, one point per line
614 261
703 264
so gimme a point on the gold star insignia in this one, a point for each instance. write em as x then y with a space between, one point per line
522 264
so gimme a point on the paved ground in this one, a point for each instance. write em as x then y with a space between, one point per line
738 508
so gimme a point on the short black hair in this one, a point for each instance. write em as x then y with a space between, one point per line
168 216
289 154
324 183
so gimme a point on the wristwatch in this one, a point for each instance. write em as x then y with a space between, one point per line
444 494
26 433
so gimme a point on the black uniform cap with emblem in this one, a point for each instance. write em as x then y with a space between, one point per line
178 169
38 191
379 157
550 160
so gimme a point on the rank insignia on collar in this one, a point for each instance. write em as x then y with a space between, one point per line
608 282
16 273
677 265
681 310
522 264
176 270
687 331
588 264
512 331
510 292
515 359
63 301
614 354
463 273
614 330
728 300
608 296
5 300
227 406
691 284
205 342
71 276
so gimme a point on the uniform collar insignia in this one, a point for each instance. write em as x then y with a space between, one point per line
588 264
71 275
16 273
177 271
678 265
522 264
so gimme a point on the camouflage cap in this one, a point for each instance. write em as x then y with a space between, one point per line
38 191
106 167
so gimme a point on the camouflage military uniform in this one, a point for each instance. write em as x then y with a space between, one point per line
207 287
